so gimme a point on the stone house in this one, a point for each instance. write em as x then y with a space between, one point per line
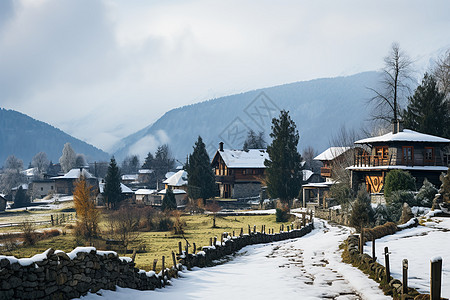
41 187
239 174
65 184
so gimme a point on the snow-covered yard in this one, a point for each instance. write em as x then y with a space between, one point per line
306 268
419 245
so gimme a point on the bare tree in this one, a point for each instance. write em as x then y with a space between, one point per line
309 153
441 72
68 158
13 163
40 162
394 86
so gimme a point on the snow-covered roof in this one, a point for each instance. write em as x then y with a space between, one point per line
331 153
406 135
145 192
24 186
175 191
177 179
145 171
318 185
307 174
75 174
253 158
29 172
130 177
125 189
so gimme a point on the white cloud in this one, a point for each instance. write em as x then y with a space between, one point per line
101 70
149 143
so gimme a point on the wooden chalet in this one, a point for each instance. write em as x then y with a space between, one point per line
422 155
65 184
239 174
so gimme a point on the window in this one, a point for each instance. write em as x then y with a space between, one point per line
42 188
51 187
382 151
408 154
429 154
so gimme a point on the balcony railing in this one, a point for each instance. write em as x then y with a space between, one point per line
325 172
372 160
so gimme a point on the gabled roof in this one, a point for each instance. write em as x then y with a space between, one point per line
177 179
125 189
406 135
145 171
175 191
331 153
253 158
130 177
145 192
75 174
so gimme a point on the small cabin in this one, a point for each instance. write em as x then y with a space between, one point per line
239 174
65 184
422 155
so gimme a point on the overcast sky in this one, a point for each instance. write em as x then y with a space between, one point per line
101 70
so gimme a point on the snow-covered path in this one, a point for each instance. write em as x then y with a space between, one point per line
306 268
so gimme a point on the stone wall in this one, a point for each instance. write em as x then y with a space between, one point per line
59 275
246 190
231 244
334 215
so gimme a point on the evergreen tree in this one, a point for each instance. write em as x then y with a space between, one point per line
427 110
254 141
201 179
284 170
112 190
169 202
163 162
398 180
362 212
148 164
426 194
21 199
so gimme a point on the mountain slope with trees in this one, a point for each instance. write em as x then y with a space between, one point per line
317 107
24 136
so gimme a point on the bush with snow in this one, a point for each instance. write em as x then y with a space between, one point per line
426 194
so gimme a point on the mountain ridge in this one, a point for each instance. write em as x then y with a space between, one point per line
24 136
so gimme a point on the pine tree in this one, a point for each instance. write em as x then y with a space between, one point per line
362 212
169 202
148 164
21 199
284 170
113 191
201 179
427 110
254 141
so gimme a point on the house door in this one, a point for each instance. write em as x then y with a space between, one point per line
226 191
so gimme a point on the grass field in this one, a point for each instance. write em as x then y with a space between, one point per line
198 230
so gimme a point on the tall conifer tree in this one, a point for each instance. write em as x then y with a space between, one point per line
113 191
427 110
284 170
201 179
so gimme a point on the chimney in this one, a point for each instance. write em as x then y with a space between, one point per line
397 126
221 146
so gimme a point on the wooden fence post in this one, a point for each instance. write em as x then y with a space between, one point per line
195 248
163 266
249 230
373 249
386 261
242 232
133 256
174 259
180 250
254 228
405 277
215 241
53 221
155 261
361 241
436 277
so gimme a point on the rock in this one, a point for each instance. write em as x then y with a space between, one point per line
63 256
61 278
51 289
4 262
15 281
4 285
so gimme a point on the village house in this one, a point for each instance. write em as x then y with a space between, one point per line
147 197
422 155
180 196
65 184
127 194
39 188
239 174
177 181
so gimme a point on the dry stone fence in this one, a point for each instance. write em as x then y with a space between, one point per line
60 275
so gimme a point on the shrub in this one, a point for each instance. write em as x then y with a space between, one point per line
29 233
398 180
362 213
380 231
282 214
50 233
178 225
381 215
395 203
426 194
